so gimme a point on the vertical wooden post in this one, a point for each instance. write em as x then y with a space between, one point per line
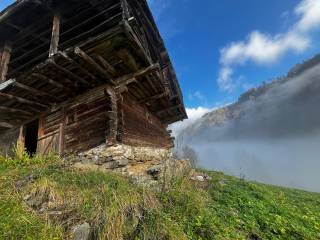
21 139
40 146
62 132
55 35
4 61
113 116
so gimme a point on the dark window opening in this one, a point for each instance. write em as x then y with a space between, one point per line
31 138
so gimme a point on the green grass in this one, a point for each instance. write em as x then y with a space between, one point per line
226 208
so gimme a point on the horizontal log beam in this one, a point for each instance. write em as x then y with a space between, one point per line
68 73
110 69
15 110
6 84
51 81
6 125
140 73
35 91
168 109
93 64
77 65
153 98
23 100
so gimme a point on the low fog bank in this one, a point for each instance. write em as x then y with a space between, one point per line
293 163
275 139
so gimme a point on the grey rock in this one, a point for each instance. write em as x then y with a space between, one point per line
101 160
110 165
82 232
122 162
155 170
29 179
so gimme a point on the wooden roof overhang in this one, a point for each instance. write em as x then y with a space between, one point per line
112 52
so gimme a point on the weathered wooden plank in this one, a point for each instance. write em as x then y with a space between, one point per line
62 133
23 100
35 91
68 73
78 66
110 69
4 62
86 58
168 109
15 110
6 84
51 81
152 98
128 59
113 122
6 125
123 79
55 35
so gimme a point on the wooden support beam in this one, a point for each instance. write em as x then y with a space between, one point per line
50 81
4 61
153 98
62 133
68 73
121 89
23 100
6 84
127 82
93 64
168 109
77 65
15 110
140 73
35 91
6 125
128 59
55 35
104 63
111 137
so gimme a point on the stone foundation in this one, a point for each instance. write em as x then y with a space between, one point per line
145 165
122 155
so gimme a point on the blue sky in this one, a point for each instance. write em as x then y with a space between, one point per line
261 40
195 32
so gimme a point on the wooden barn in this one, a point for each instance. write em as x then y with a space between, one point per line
78 73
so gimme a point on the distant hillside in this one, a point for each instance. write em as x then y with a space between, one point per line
45 199
278 121
259 97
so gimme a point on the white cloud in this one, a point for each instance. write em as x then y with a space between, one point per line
262 48
225 81
309 11
196 95
193 115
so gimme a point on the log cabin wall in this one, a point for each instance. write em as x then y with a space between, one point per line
49 132
86 122
79 125
141 127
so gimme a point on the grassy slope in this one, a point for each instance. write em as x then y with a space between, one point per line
228 208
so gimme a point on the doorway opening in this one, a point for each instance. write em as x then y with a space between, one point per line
31 137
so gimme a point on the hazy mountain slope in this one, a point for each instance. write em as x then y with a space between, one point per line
273 127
